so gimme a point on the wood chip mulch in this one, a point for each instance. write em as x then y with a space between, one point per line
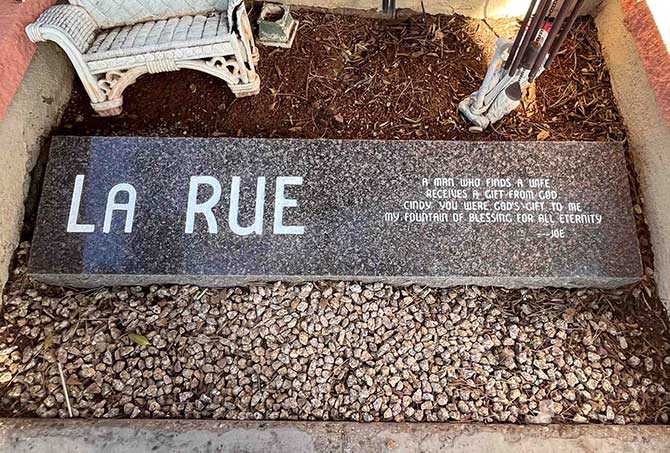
355 77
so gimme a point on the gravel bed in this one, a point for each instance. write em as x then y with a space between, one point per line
333 351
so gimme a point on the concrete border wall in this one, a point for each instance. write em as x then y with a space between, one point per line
135 436
480 9
648 132
34 111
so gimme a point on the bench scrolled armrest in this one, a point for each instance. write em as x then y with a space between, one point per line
64 22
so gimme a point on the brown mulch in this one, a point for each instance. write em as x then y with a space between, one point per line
354 77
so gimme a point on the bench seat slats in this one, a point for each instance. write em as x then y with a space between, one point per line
158 35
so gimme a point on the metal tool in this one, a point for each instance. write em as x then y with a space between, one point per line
518 63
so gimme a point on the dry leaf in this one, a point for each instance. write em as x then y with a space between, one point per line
48 342
543 135
139 339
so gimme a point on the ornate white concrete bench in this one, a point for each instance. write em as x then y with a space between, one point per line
113 42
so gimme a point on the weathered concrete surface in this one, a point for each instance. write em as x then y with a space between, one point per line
130 436
472 8
36 108
15 47
648 132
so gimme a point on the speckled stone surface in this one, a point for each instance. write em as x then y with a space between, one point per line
363 206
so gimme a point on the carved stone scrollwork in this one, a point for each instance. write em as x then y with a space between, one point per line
228 64
247 39
109 81
112 84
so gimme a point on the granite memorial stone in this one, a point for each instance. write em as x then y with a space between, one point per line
139 211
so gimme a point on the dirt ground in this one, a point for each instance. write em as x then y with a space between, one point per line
354 77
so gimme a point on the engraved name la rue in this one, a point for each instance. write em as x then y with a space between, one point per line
194 207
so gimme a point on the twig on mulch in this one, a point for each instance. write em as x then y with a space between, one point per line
67 397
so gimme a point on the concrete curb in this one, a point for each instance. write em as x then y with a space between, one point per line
15 47
129 436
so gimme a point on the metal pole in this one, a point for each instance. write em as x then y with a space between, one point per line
556 26
501 46
564 34
519 35
531 34
388 7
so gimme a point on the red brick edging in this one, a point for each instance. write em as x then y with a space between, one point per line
639 20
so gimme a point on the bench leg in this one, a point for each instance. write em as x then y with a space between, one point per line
39 32
250 88
108 108
249 83
112 84
247 37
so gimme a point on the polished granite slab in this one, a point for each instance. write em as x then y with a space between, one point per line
223 211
